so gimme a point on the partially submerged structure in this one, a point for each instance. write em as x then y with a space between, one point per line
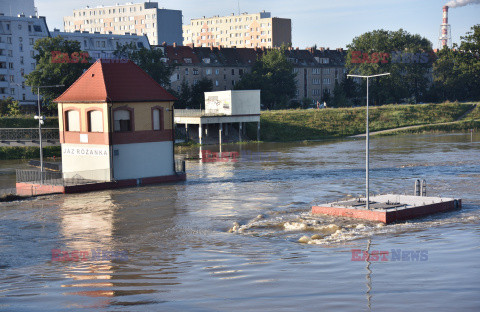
116 129
389 208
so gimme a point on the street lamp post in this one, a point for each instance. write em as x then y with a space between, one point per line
40 123
367 143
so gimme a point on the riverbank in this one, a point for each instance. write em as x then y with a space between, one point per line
298 125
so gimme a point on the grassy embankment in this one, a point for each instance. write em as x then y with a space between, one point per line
296 125
19 152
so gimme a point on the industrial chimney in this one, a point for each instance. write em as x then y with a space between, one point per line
445 39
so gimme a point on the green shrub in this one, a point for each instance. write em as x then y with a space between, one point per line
20 152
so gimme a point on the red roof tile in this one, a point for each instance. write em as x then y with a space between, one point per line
107 81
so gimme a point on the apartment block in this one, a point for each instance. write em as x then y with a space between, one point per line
102 46
241 31
317 69
17 38
159 25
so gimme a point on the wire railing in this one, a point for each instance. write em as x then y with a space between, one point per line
27 134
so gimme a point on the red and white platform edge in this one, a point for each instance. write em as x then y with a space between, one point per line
389 208
35 189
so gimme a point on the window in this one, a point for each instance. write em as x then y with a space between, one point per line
326 81
32 41
72 120
208 71
95 121
316 81
122 121
157 119
195 71
316 71
233 71
186 71
217 71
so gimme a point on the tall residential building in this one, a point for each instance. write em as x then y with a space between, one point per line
17 37
160 25
241 31
16 7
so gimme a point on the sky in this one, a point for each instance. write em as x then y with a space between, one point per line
325 23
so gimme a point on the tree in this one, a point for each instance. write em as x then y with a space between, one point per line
345 93
457 71
183 96
197 93
407 57
326 97
9 107
150 60
273 75
54 68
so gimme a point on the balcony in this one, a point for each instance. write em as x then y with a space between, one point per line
3 58
4 84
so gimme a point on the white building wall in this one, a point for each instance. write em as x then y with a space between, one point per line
142 160
238 102
86 161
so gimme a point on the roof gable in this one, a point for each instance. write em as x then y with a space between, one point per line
114 81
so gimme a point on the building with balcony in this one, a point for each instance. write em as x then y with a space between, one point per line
17 38
158 24
241 31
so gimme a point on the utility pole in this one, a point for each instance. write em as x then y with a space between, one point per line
367 143
41 119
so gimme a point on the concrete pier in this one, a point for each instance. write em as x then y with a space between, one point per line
389 208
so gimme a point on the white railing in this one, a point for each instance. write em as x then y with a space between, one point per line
194 113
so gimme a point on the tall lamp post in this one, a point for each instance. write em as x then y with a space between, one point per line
40 123
367 144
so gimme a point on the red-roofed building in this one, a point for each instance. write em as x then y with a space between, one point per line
116 124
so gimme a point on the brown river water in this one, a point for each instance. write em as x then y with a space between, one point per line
227 238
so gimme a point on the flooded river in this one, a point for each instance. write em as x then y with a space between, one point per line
228 238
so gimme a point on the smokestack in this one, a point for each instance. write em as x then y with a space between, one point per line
445 39
445 14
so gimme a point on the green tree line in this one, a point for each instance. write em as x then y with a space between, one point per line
418 74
